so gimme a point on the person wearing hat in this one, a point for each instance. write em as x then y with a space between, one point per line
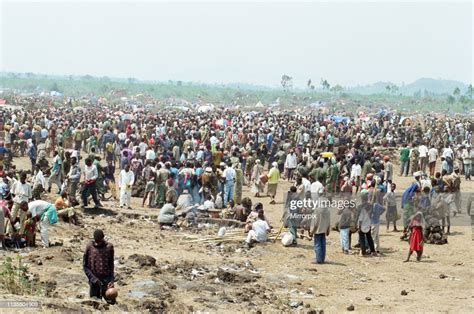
257 185
98 265
273 177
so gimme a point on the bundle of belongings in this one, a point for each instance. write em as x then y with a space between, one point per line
434 232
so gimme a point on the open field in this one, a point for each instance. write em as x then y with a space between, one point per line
158 270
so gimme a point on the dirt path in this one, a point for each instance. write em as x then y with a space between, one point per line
157 271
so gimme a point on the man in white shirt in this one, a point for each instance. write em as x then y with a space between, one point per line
126 179
90 188
467 158
39 183
432 157
423 151
316 189
41 211
150 154
259 232
306 183
21 192
290 164
356 171
143 149
448 155
229 177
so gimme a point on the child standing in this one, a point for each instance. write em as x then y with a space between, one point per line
344 226
416 225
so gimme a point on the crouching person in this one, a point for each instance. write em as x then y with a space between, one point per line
167 216
41 212
98 264
260 230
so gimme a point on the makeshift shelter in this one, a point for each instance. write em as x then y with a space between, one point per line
406 121
205 108
126 116
340 119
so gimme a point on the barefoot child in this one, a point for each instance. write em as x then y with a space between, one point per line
30 232
416 224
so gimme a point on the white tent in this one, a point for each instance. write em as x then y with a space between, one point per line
259 105
206 108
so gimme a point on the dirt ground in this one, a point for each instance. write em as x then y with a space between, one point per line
158 271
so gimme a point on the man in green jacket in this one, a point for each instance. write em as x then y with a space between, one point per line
404 160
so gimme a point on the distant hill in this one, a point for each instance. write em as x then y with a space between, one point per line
436 86
431 86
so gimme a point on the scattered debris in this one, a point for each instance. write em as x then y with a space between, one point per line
143 260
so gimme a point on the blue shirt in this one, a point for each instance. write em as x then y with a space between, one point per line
377 211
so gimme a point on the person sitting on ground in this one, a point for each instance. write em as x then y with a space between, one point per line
64 208
185 200
242 211
229 212
252 216
260 230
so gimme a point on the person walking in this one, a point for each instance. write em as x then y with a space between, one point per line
364 222
90 187
55 176
290 164
432 157
404 160
273 178
126 180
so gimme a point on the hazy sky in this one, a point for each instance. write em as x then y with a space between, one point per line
347 43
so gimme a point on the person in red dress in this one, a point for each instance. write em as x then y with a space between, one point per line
416 225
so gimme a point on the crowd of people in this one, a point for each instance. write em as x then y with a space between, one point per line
175 160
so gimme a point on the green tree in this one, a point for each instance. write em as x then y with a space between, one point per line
325 84
394 89
469 91
286 82
451 99
456 91
54 87
336 89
